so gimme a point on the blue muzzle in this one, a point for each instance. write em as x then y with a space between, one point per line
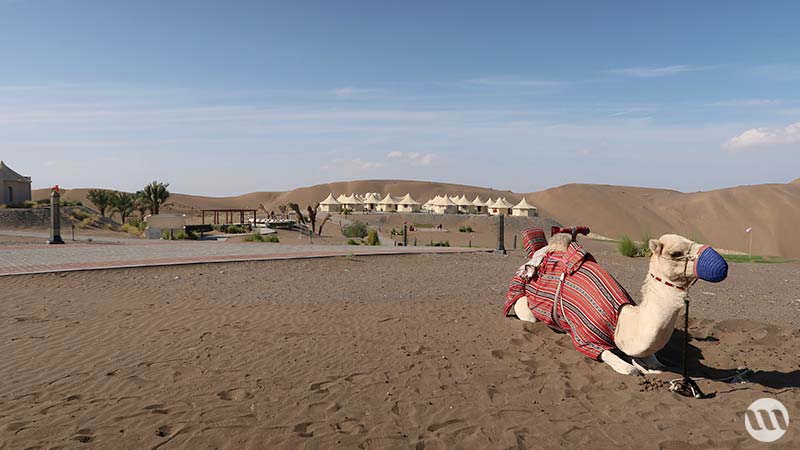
710 266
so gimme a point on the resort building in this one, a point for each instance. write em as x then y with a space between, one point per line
371 201
443 205
478 205
388 204
351 203
330 205
464 206
408 204
524 209
14 188
500 206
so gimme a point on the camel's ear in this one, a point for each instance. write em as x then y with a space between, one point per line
656 246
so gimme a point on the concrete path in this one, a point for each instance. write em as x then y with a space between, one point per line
67 236
28 259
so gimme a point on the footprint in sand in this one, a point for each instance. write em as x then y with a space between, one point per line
499 354
164 430
84 435
302 429
235 394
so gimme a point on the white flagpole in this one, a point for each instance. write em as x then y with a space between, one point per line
750 251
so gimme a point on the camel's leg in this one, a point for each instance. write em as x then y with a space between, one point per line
618 364
649 365
522 311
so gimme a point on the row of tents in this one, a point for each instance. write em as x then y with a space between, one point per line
441 204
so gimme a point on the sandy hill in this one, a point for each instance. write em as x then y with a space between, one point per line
718 217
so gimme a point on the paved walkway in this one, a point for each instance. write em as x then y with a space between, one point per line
28 259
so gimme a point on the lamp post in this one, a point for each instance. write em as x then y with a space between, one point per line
55 217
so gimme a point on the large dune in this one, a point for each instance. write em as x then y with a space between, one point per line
718 217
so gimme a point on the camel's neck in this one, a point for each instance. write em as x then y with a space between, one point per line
646 328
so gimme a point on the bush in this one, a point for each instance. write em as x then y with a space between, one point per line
353 242
440 244
644 248
85 223
258 237
465 229
131 228
372 238
631 249
235 229
78 214
355 230
179 235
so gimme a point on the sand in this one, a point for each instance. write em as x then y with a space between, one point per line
718 217
381 352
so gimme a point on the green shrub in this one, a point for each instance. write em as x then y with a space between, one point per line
631 249
179 235
131 228
78 214
353 242
465 229
258 237
440 244
235 229
355 230
372 238
85 223
644 247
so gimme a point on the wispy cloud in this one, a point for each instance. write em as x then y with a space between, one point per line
418 159
753 102
765 137
779 72
513 82
654 72
351 92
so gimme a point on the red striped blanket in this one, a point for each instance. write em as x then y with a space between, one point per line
587 306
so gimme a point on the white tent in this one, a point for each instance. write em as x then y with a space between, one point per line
371 202
388 204
524 209
408 204
330 204
352 203
478 205
464 205
500 206
443 205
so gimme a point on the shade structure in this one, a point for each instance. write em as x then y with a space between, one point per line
464 206
443 205
352 203
387 204
500 206
478 205
524 209
330 204
371 201
408 204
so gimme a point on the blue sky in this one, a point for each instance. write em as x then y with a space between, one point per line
222 98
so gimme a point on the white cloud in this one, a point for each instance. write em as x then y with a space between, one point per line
653 72
350 92
765 137
365 166
513 82
744 102
418 159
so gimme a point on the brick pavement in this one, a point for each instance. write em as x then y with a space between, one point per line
27 259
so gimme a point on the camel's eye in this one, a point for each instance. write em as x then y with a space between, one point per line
677 254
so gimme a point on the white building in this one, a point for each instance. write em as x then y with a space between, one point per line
408 204
352 203
388 204
371 201
330 205
14 188
464 206
443 205
500 206
524 209
478 205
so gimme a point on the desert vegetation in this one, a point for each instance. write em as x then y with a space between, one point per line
634 249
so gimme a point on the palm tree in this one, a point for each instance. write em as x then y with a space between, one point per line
312 216
123 203
101 199
140 204
156 195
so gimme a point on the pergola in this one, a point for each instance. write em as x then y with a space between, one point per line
229 215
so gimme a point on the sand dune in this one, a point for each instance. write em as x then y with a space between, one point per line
718 217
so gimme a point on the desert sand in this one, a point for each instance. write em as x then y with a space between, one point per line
380 352
718 217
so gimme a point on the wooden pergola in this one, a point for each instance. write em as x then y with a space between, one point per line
230 214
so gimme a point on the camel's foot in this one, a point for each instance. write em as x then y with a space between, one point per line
522 311
650 365
618 364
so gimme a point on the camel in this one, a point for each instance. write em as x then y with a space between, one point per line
642 330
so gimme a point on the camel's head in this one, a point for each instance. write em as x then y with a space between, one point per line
681 261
